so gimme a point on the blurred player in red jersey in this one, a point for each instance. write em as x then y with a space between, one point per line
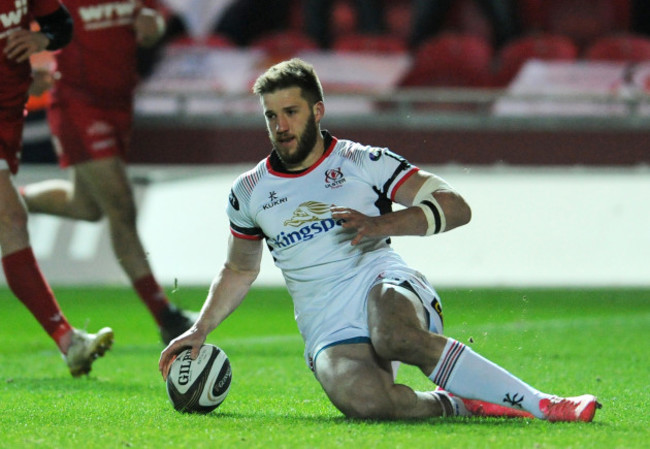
91 117
22 272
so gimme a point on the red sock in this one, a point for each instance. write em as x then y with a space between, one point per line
152 295
25 279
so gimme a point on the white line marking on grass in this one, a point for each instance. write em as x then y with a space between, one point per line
260 340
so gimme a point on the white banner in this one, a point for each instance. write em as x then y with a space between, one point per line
578 88
531 227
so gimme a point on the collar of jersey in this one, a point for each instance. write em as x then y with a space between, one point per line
276 167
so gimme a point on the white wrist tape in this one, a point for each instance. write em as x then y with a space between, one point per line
424 199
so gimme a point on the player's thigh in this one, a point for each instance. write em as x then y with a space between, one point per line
13 216
11 207
106 181
393 311
356 380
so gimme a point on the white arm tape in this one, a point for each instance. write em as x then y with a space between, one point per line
425 200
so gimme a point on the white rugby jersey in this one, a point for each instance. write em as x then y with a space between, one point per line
292 212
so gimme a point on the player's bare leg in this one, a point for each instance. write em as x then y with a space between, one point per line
101 188
360 385
398 328
397 333
107 182
25 279
13 217
63 198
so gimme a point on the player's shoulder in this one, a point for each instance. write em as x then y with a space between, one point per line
249 179
356 152
363 154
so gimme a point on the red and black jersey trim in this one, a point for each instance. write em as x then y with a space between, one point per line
246 233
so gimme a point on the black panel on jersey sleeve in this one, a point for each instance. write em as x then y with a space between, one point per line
384 203
397 157
57 27
234 201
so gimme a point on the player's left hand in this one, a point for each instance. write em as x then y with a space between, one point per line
21 44
42 81
364 225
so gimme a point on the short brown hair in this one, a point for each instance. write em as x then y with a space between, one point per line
292 73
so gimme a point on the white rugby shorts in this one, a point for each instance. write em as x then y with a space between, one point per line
345 319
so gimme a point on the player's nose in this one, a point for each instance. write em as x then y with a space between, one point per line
281 125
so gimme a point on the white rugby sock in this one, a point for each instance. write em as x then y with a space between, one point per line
468 375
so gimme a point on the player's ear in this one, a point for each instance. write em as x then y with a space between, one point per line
319 111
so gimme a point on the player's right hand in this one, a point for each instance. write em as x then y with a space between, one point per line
191 338
21 44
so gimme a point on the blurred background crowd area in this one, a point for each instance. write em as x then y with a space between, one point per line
466 43
462 81
538 110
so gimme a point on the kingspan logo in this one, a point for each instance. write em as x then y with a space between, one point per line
310 218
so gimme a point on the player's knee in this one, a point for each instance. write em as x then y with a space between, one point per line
390 342
122 212
90 214
360 405
13 219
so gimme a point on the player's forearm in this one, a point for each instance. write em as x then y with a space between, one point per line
409 221
457 212
227 292
413 221
452 211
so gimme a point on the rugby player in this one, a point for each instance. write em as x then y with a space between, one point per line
24 277
323 207
90 116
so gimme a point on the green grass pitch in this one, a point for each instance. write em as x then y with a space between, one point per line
561 341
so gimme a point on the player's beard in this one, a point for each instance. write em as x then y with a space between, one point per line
306 144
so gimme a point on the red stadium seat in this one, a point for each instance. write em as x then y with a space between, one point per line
284 44
530 15
585 20
622 47
398 18
451 59
513 55
369 43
